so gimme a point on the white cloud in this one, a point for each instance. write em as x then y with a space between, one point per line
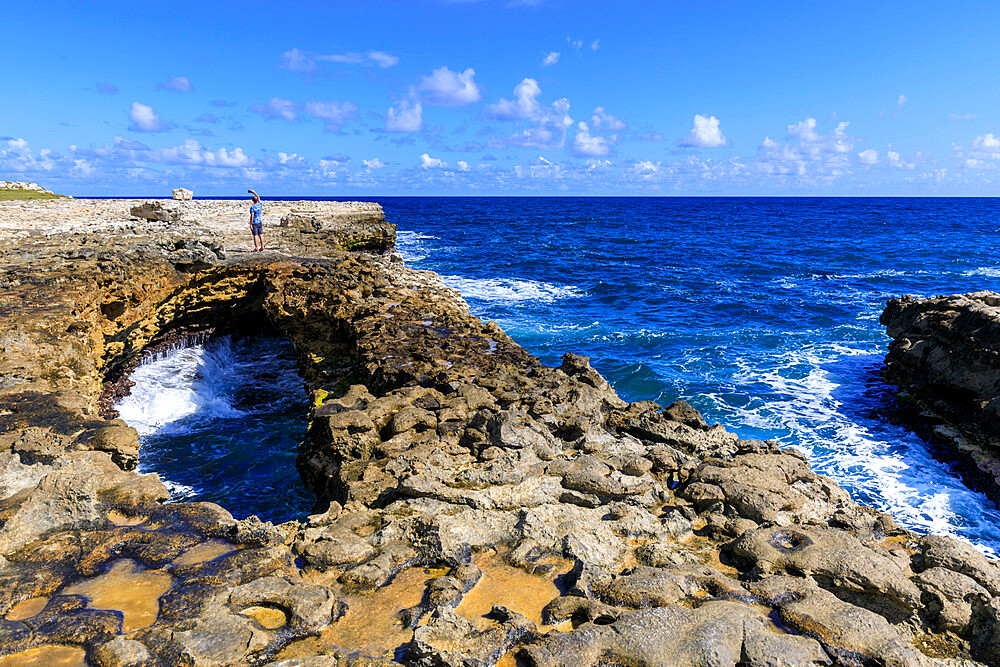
895 160
445 88
290 159
585 143
551 58
986 142
706 133
144 119
277 108
304 62
984 153
837 141
333 114
596 44
428 162
868 156
963 116
382 59
374 163
524 105
193 153
179 84
902 100
463 165
645 170
808 155
804 130
575 43
296 60
548 124
407 116
602 120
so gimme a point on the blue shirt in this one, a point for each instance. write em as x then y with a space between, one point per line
256 210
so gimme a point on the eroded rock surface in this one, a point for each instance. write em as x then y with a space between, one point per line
479 508
945 358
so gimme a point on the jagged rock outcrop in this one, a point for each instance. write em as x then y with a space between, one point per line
480 506
162 211
182 194
945 359
21 185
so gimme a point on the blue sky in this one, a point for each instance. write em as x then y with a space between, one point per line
491 97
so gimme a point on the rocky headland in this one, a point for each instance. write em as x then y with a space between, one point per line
945 358
21 190
478 507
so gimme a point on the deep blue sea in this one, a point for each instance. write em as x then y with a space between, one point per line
220 421
762 313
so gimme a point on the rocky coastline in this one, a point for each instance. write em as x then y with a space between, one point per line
479 507
945 358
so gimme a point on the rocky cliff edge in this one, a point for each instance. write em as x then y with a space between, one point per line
479 507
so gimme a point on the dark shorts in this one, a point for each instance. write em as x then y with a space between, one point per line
257 228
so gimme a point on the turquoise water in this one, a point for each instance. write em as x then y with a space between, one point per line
763 313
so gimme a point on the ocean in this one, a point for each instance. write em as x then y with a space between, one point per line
760 312
220 421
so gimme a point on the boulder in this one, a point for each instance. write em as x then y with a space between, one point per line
162 211
835 559
716 633
121 652
183 194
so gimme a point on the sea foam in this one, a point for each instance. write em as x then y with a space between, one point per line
510 290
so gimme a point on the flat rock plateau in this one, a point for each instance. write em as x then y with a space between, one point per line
478 507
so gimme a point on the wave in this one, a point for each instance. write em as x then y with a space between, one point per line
505 290
988 271
177 491
410 245
881 464
178 384
220 421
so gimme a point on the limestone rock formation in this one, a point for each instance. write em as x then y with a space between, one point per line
163 211
945 359
478 507
22 185
182 194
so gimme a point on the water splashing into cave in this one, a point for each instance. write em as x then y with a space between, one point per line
220 421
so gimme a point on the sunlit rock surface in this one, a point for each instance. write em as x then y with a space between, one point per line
479 508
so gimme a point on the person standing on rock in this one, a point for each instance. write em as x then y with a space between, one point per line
257 222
